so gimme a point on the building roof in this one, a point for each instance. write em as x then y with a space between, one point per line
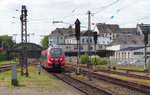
128 31
85 33
126 39
108 28
144 26
132 48
63 31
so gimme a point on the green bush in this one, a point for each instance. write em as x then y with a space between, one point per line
3 56
103 62
99 61
84 59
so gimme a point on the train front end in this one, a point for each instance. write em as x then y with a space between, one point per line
56 58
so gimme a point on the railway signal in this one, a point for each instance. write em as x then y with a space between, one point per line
146 38
77 35
77 29
95 40
95 37
146 32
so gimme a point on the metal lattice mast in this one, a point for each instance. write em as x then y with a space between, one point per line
23 19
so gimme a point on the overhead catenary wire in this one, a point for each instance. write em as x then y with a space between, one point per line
101 9
105 7
135 20
118 10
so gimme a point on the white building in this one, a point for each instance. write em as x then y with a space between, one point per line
59 35
84 47
110 31
132 52
71 42
84 39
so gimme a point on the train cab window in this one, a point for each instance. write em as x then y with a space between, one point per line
56 52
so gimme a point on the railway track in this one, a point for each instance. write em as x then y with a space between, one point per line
86 88
145 89
5 67
120 73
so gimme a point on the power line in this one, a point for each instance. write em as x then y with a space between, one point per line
118 10
135 20
101 9
105 7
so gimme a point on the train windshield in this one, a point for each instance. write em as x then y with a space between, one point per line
56 52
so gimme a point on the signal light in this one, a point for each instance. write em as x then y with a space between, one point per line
95 37
77 29
146 38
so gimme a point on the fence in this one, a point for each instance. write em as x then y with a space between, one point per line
71 59
128 61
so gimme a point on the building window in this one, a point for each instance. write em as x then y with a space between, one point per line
75 47
107 42
148 53
113 35
91 48
91 40
83 40
138 53
102 35
100 47
103 42
87 40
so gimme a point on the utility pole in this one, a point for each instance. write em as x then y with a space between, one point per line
89 44
24 63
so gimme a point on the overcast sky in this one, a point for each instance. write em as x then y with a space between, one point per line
41 14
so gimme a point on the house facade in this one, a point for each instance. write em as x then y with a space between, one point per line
141 28
110 31
59 35
132 52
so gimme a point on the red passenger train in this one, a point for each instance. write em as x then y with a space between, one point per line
53 58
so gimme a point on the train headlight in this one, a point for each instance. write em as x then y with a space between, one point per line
60 58
51 58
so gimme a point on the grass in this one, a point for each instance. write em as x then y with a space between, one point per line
127 78
34 80
7 62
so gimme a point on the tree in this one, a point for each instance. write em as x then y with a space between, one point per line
44 42
70 27
6 42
